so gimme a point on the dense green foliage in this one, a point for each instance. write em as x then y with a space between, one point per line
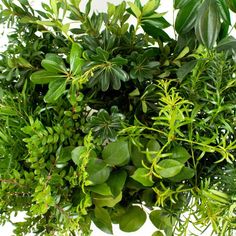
101 119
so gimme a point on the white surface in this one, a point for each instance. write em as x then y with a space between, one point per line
148 228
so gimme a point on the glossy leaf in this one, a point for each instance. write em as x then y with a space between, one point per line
102 189
133 219
224 11
76 61
55 90
180 3
116 153
142 176
54 63
180 154
186 17
208 23
44 77
157 233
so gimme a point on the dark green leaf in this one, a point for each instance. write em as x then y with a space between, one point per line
185 69
156 22
120 74
116 181
133 219
56 89
116 153
160 220
227 44
180 154
224 11
232 5
178 4
102 220
102 189
185 173
142 176
186 17
105 80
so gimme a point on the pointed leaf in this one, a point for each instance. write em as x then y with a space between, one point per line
224 11
135 9
76 61
102 189
150 7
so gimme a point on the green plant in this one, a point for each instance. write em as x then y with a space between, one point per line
107 119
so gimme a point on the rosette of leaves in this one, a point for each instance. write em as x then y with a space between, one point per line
142 68
107 71
104 126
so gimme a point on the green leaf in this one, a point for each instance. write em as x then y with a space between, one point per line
102 189
232 5
152 146
135 9
54 63
119 73
98 171
227 44
169 168
160 220
44 77
76 62
56 89
106 201
137 156
105 80
116 182
142 176
185 69
158 233
76 154
150 7
178 4
207 26
224 11
185 173
180 154
64 155
156 21
186 17
116 153
133 219
102 220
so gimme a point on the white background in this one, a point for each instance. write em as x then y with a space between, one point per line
100 5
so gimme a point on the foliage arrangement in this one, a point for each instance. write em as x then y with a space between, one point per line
108 122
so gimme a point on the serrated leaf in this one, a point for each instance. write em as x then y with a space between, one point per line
55 90
142 176
133 219
116 153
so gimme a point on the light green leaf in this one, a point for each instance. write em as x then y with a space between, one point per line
158 233
169 168
54 63
106 201
116 153
137 12
44 77
185 173
56 89
180 154
76 154
142 176
102 189
133 219
150 7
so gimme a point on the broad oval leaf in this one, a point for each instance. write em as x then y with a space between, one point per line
44 77
207 26
55 90
106 201
169 168
102 189
133 219
98 171
160 219
54 63
116 153
180 154
142 176
186 17
185 173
